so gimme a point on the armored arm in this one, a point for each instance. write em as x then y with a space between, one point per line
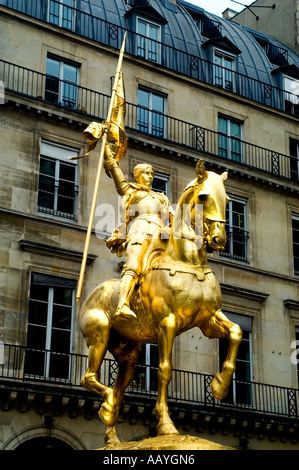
112 168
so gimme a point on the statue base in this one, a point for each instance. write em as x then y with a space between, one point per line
169 442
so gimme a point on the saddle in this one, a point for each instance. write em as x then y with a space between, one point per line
155 250
153 259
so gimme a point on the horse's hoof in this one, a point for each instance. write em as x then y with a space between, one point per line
219 388
166 429
109 410
107 416
111 438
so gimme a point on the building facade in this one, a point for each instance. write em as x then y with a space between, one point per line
197 86
269 19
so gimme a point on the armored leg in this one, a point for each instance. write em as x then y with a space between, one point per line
130 276
127 285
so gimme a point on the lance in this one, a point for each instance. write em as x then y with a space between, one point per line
99 171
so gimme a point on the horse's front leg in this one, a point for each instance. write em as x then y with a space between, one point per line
166 335
219 326
97 338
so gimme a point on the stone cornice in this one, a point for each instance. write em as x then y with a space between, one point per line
41 248
247 293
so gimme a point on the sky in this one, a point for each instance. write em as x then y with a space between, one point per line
218 6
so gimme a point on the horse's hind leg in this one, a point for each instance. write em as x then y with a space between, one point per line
219 326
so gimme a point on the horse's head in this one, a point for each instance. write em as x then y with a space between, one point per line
210 192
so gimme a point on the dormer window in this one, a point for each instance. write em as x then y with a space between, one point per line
148 25
198 21
276 54
291 88
62 13
211 28
224 70
223 53
148 40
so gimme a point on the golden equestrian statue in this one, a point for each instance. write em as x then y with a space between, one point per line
167 286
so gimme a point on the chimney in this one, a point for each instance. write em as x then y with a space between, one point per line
228 14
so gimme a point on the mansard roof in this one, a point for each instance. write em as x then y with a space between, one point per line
191 29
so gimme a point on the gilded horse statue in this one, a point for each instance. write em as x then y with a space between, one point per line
177 291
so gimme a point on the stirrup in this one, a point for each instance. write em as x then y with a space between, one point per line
124 312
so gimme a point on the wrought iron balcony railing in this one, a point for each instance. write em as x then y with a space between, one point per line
58 198
236 245
88 102
92 27
24 365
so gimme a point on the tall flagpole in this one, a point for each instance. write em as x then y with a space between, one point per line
98 177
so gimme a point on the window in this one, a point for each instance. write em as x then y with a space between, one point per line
50 321
294 161
229 138
237 235
62 83
224 70
160 183
148 38
297 344
62 13
295 230
211 28
240 391
57 186
2 362
277 55
291 87
150 114
146 373
198 20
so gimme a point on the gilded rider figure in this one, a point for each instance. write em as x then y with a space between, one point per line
146 213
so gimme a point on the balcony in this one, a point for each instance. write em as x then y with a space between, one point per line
236 245
57 198
94 105
24 370
109 34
